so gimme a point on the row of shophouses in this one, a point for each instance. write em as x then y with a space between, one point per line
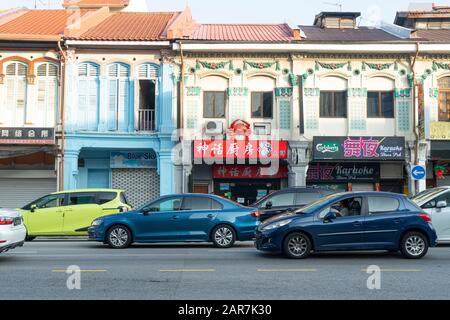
100 96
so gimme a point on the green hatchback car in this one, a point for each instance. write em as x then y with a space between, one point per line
70 213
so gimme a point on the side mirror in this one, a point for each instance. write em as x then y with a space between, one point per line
441 204
33 208
269 205
330 216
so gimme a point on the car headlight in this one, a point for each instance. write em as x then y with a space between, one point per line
277 225
97 222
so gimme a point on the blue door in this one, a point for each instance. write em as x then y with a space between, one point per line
384 222
157 223
98 178
346 232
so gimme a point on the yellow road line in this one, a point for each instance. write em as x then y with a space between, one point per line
396 270
187 270
85 271
287 270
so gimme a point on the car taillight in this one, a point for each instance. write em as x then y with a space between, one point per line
6 221
425 217
255 214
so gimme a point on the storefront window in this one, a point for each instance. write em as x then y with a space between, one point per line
333 104
444 99
380 104
214 104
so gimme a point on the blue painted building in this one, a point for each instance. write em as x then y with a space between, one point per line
119 109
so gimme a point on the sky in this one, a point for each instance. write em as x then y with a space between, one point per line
294 12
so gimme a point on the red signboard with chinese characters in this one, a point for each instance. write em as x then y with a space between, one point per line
27 136
240 149
249 172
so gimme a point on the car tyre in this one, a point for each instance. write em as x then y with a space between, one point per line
223 236
29 238
297 245
414 245
118 237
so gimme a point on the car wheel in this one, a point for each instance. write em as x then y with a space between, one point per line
118 237
29 238
414 245
223 236
297 246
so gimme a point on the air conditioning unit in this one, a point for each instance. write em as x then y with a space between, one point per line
261 129
214 128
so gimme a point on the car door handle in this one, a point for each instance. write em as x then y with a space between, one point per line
210 216
175 217
397 220
357 223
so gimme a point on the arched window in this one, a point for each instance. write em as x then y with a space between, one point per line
444 99
47 84
88 96
262 96
118 96
333 97
148 90
16 92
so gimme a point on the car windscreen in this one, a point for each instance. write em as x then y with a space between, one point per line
426 195
313 206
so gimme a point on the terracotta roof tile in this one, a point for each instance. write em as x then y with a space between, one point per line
442 35
96 3
314 33
243 32
131 26
40 23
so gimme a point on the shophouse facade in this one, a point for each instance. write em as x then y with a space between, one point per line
30 103
334 99
120 103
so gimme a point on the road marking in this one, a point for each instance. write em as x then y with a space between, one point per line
23 252
396 270
84 271
188 270
287 270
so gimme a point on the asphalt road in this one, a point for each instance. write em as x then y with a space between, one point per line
37 271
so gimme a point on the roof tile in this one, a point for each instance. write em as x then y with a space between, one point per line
243 32
315 33
130 26
41 22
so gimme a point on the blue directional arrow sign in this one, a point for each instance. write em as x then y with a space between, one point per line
418 172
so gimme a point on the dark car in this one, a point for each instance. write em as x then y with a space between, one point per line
179 218
350 221
288 199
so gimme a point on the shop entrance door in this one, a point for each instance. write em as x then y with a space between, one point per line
245 192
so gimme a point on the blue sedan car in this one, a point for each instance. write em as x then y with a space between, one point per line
350 221
179 218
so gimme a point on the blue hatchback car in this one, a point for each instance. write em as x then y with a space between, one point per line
179 218
350 221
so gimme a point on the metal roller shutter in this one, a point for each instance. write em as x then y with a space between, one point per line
15 193
140 185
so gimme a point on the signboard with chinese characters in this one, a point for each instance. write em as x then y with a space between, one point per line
249 172
27 136
133 160
240 149
359 148
343 172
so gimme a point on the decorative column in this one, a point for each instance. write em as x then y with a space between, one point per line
357 110
298 163
166 173
166 123
71 169
71 100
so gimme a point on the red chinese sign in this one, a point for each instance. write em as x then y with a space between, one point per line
237 149
249 172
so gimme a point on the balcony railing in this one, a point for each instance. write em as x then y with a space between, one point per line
147 120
